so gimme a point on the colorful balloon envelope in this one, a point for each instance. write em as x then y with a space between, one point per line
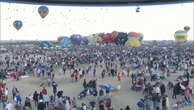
85 40
133 35
17 24
43 11
76 39
180 36
107 38
65 41
140 36
60 39
97 39
121 38
133 42
114 35
186 28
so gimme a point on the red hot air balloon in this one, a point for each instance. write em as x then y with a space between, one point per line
186 28
107 38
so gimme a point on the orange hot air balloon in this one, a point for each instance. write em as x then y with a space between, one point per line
133 34
114 35
186 28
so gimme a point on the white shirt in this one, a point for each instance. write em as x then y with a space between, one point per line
158 90
9 106
46 98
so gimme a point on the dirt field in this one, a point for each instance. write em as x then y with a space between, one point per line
125 96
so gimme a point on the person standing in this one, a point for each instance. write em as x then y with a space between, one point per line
41 105
8 106
127 107
35 98
165 103
54 85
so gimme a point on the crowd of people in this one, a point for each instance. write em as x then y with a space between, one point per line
146 67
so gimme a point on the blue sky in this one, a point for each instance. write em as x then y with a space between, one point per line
157 22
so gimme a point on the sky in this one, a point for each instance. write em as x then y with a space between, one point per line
156 22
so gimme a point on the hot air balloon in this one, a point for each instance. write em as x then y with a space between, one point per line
133 42
43 11
17 24
84 40
121 38
186 28
65 41
97 38
45 44
114 35
60 39
140 36
75 39
107 38
180 36
133 35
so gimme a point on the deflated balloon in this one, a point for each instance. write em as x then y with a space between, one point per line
17 24
43 11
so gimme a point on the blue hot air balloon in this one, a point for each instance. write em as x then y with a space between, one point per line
65 41
17 24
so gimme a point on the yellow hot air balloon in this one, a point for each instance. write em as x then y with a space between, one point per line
180 36
133 42
43 11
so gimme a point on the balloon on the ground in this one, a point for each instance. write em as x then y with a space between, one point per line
180 36
97 38
76 39
17 24
121 38
133 35
114 35
84 40
186 28
65 41
60 39
140 38
45 44
107 38
133 42
43 11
